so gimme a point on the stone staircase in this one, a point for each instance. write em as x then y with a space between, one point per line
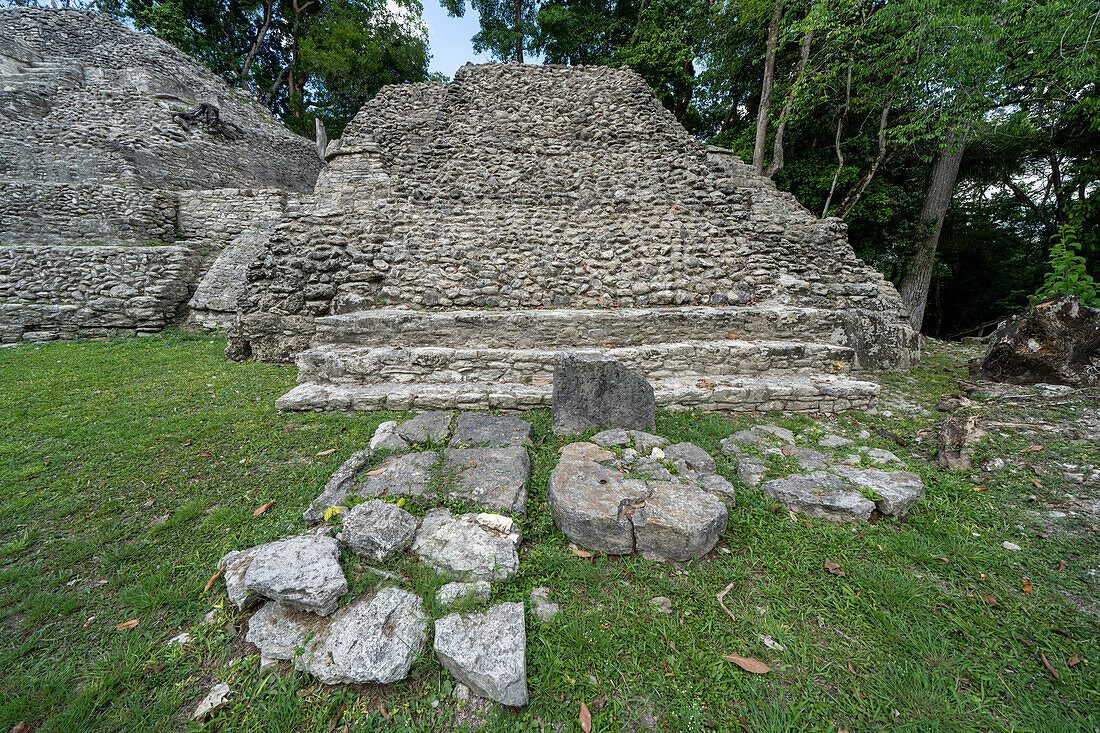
717 358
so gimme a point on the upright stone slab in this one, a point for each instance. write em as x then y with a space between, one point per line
592 391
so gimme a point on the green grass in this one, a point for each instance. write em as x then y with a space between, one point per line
91 432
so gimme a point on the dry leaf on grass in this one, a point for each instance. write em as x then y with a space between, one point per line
1037 482
327 452
585 718
1026 587
989 600
263 509
1048 665
1061 564
1032 449
748 664
21 727
126 625
1075 660
582 553
834 568
204 454
215 576
721 601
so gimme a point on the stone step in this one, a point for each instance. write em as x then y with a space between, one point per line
367 365
795 393
578 327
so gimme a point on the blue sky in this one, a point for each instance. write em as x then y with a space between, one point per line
449 38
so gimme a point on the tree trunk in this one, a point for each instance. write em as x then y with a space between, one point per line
766 90
918 275
856 193
519 31
839 134
682 104
260 35
777 148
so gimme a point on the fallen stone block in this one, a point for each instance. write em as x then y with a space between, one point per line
487 651
476 429
593 390
494 478
470 546
300 572
377 530
820 495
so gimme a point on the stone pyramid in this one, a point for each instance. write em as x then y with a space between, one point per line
465 233
113 204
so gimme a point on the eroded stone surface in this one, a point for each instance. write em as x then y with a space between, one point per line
835 441
427 427
690 457
300 572
495 478
454 592
593 390
386 438
473 429
487 651
895 492
820 495
751 470
377 530
236 564
470 546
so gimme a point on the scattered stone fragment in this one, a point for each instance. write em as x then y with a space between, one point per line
377 530
386 438
373 639
1011 546
180 639
473 429
645 442
852 459
808 459
690 457
301 572
213 700
487 651
611 438
751 470
781 434
338 486
732 445
664 605
895 492
470 546
235 564
541 605
881 457
835 441
717 485
494 478
453 593
821 495
593 390
427 427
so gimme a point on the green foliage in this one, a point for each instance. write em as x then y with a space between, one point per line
508 27
1068 275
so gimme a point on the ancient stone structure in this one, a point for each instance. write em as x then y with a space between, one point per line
115 199
463 234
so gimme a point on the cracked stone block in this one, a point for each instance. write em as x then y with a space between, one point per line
751 470
896 491
386 438
474 429
677 522
781 434
820 495
470 546
690 457
732 445
645 442
717 485
594 390
377 530
300 572
375 638
338 486
236 564
404 475
427 427
452 593
494 478
487 651
835 441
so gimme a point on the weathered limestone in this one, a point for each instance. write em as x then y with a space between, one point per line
104 232
455 592
468 547
495 478
492 431
594 390
636 509
301 572
820 495
377 530
487 651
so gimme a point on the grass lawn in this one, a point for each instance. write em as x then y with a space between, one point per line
129 467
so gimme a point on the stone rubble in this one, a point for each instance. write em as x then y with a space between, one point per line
487 651
301 572
469 546
377 530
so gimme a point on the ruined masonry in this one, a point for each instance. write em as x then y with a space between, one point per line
114 204
463 234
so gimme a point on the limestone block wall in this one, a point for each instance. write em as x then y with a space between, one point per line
213 218
78 292
62 213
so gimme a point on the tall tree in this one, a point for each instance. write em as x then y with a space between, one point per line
508 27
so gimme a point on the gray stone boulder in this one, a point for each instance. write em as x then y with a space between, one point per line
734 444
599 507
386 438
487 652
235 565
427 427
593 390
881 457
611 438
494 478
300 572
470 546
375 638
690 457
456 592
820 495
474 429
894 492
377 530
404 475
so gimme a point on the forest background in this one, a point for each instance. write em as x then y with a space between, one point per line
957 139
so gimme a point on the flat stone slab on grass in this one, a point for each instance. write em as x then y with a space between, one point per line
452 593
477 429
404 475
495 478
593 390
690 457
300 572
427 427
373 639
820 495
896 491
487 651
470 546
377 530
599 507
